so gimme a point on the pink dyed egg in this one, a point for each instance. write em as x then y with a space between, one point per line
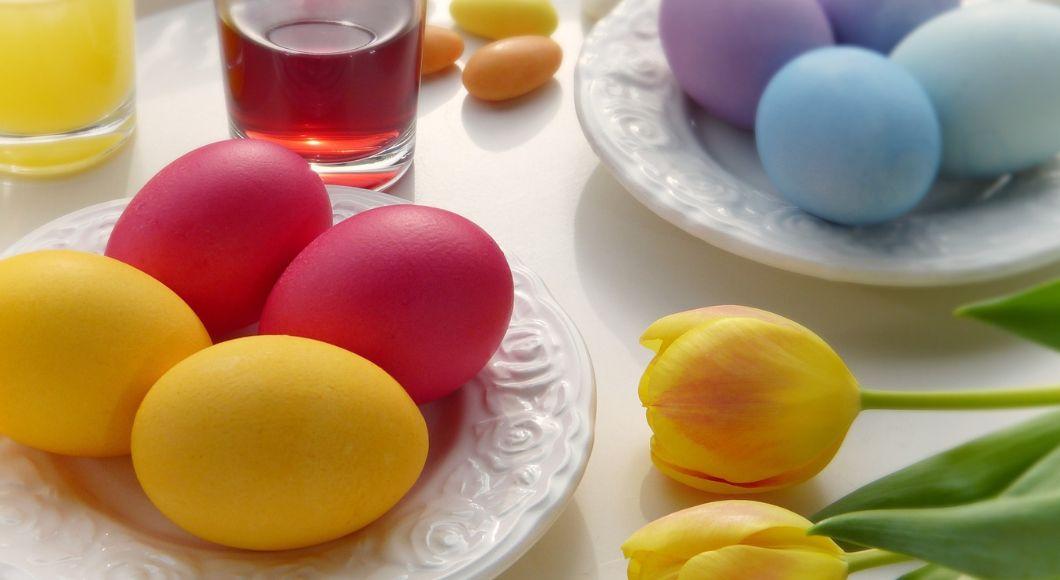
422 292
220 224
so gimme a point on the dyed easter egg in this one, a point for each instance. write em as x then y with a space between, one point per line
512 67
993 74
503 18
881 24
723 52
441 48
220 224
422 292
849 136
82 339
276 442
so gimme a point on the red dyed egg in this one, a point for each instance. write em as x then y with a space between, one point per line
422 292
220 224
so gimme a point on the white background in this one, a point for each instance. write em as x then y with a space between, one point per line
525 173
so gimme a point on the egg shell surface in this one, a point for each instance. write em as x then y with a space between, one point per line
276 442
422 292
849 136
220 224
82 339
881 24
724 52
993 73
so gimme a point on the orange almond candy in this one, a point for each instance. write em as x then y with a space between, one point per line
512 67
441 48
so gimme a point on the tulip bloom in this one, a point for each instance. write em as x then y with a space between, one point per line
732 539
741 400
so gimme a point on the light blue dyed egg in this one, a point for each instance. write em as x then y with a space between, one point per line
993 73
880 24
849 136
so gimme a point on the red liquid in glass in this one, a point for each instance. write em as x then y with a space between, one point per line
332 91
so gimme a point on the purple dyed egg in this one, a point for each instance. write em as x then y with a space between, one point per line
723 53
881 24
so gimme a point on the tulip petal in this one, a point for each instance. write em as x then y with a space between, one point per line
754 563
711 484
746 400
651 567
669 328
712 526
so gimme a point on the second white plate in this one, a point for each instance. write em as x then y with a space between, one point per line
706 178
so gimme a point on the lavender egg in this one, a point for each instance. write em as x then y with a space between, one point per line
724 52
881 24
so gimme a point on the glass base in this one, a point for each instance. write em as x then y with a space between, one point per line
377 171
59 153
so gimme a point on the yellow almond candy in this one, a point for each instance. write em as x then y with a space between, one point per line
441 48
512 67
505 18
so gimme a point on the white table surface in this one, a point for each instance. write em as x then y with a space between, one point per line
526 174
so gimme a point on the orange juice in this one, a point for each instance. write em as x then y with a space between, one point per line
66 79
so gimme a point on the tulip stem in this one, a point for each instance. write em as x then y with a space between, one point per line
942 400
865 559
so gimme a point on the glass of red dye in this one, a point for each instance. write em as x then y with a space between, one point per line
334 80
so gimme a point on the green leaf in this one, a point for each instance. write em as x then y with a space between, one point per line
1005 539
981 469
1033 314
1022 461
1043 476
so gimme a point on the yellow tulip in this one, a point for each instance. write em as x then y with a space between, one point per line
733 539
741 400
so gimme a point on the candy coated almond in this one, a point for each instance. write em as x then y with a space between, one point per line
505 18
512 67
441 48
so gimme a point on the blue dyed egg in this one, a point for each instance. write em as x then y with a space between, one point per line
993 73
849 136
880 24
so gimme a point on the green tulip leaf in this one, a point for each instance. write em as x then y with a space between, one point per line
1004 539
982 469
1042 477
1033 314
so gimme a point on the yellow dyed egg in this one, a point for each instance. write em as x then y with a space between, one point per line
82 339
503 18
512 67
277 442
441 48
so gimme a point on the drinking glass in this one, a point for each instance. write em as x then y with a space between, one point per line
336 81
66 83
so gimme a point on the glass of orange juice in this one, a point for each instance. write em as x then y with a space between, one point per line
66 83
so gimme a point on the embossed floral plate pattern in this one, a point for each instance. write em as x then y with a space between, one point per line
507 452
706 178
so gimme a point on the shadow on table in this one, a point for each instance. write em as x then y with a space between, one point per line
29 202
660 496
557 553
631 261
504 125
437 89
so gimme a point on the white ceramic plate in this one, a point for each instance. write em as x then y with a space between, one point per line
706 178
507 452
